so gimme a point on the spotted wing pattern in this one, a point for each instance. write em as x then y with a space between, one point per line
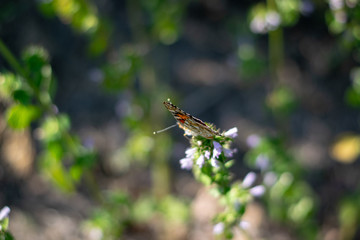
191 125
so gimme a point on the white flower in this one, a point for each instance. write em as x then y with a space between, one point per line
214 162
336 4
244 225
249 180
217 149
219 228
257 191
200 161
258 25
190 152
4 213
207 154
186 163
233 132
273 20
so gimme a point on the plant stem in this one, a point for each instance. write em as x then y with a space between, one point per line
9 57
276 47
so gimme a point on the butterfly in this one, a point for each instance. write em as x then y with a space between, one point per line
190 124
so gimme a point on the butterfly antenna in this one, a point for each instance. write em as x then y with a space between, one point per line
163 130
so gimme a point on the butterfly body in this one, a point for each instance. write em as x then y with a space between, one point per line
190 124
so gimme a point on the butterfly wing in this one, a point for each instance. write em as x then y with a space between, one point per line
191 125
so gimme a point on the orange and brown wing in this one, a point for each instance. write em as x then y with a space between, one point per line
190 124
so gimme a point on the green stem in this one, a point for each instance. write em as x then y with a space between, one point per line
276 53
276 47
9 57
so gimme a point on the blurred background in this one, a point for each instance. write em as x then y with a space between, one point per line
81 91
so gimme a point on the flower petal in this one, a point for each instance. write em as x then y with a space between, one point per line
219 228
4 213
249 180
233 132
262 162
257 191
207 154
217 149
214 163
190 152
253 140
186 163
200 161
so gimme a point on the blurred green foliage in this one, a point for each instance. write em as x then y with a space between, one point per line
289 198
281 101
119 212
29 98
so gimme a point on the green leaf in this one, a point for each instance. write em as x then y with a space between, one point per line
54 127
352 97
229 164
55 171
22 96
8 83
20 116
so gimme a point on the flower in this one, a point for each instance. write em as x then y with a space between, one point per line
253 140
249 180
190 152
273 20
258 25
200 161
207 154
217 149
232 132
229 152
4 213
336 4
244 225
270 178
257 191
214 162
219 228
186 163
262 162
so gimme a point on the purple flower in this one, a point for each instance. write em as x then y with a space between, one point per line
262 162
229 152
249 180
253 140
190 152
257 191
207 154
96 75
233 132
217 149
270 178
4 213
307 7
89 143
186 163
200 161
219 228
214 163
